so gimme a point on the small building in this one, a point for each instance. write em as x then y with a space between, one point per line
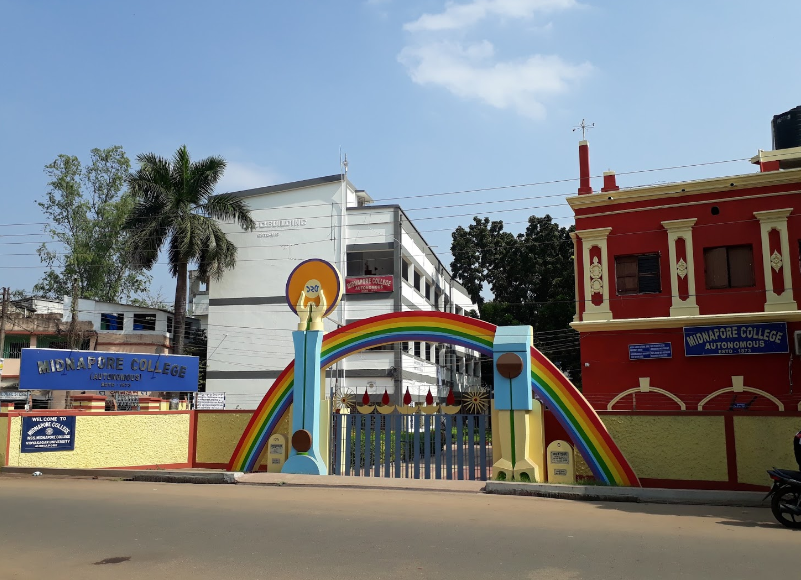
687 293
36 322
388 267
128 328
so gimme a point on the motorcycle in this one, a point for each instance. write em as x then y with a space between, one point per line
786 491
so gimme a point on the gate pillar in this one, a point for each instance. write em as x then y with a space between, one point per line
517 426
304 455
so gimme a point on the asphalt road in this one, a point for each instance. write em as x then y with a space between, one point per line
60 528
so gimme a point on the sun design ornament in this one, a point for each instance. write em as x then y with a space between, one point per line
476 401
343 399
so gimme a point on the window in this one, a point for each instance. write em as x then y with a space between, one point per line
428 291
405 270
417 349
447 305
169 324
417 280
428 351
111 321
377 263
729 267
14 345
638 274
144 322
437 296
53 342
405 346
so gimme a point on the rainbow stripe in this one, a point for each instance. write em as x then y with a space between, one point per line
581 422
567 403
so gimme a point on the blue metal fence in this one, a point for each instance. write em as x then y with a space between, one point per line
438 446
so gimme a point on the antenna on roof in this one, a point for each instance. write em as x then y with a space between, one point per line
584 128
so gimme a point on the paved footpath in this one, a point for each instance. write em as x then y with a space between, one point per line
60 528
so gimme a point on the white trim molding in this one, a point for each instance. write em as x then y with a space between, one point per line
645 387
776 220
596 276
738 387
680 321
681 229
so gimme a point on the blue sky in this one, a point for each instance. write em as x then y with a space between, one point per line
425 96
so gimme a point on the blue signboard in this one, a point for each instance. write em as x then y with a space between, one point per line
84 370
51 433
762 338
650 350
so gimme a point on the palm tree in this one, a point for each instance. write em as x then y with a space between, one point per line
175 207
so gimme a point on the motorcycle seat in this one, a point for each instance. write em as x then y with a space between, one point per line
789 474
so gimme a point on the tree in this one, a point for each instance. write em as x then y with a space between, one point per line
175 208
85 208
530 277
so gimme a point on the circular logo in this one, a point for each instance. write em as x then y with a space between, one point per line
301 440
49 431
311 278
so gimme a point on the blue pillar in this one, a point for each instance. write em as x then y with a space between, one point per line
306 403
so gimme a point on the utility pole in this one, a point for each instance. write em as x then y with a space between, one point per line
73 331
3 314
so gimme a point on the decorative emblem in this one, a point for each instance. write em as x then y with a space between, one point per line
681 268
776 260
313 291
343 399
596 271
476 401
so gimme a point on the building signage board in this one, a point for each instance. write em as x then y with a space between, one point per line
14 395
51 433
759 338
210 401
369 284
84 370
650 350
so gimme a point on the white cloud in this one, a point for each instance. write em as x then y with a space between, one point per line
456 16
472 72
239 176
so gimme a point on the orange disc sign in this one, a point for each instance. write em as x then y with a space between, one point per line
310 278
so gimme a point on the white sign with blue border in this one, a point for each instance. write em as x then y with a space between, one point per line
758 338
650 350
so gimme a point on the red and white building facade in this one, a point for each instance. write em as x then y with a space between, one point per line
688 293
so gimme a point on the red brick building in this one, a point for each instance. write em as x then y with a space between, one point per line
688 293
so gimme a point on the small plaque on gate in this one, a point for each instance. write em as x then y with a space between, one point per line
560 471
560 457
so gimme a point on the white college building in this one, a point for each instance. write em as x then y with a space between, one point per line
249 323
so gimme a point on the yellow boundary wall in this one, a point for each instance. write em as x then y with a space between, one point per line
108 440
680 449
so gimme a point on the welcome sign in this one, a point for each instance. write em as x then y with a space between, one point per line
761 338
82 370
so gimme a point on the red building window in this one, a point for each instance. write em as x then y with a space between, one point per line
729 267
638 274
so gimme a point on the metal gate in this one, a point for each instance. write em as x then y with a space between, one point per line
419 446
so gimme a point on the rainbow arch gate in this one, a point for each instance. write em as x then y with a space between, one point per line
571 409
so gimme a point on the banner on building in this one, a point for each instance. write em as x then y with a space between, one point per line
759 338
369 284
51 433
84 370
210 401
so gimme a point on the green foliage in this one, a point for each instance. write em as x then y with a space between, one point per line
530 276
85 208
175 208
